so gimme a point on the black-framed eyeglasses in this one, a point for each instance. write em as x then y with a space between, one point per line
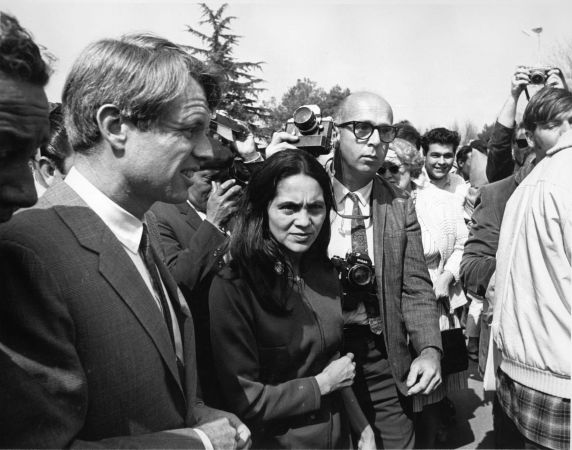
392 168
363 130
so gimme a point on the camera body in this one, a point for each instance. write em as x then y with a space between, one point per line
538 74
358 279
314 131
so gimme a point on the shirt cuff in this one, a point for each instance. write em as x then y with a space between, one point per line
206 441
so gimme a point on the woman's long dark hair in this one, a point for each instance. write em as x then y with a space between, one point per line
257 256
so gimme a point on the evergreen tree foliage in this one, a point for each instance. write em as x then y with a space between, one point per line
241 86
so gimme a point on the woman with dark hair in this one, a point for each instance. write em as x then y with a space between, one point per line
276 318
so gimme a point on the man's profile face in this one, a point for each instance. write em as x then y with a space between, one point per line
363 156
465 167
24 127
439 160
163 159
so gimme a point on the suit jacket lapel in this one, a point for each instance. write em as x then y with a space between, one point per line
118 269
379 215
191 216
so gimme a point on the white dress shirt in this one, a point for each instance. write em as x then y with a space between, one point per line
341 240
128 230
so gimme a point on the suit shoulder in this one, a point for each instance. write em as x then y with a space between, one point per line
32 225
499 189
161 210
394 192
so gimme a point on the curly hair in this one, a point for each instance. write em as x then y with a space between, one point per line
408 155
254 250
406 131
20 57
441 136
141 74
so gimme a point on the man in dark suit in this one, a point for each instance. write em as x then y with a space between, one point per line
193 239
89 314
374 218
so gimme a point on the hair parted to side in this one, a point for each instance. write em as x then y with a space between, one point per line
254 251
20 57
544 106
441 136
141 74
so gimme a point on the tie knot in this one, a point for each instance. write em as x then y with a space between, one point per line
353 197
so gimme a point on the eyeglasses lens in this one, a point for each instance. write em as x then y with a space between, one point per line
363 130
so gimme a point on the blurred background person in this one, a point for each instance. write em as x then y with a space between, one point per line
276 317
54 160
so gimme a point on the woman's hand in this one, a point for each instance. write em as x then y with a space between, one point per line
338 374
442 284
366 439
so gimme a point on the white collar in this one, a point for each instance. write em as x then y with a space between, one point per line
127 228
341 192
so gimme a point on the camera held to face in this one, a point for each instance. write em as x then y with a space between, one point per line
314 131
357 277
538 74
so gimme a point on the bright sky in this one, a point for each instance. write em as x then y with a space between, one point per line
435 61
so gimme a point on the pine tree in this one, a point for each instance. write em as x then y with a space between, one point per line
240 90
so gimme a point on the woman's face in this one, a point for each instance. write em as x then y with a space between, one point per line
397 174
297 213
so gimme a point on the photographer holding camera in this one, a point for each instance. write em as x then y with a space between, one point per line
388 298
500 162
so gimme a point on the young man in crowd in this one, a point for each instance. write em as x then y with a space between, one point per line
372 217
533 292
89 313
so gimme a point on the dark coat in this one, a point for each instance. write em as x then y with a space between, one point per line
407 302
267 362
193 251
89 357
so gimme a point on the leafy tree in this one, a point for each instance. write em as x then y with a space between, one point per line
304 92
240 92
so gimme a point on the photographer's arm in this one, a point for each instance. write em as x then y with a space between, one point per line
499 162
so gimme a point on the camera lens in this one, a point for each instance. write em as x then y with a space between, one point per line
305 120
360 275
537 77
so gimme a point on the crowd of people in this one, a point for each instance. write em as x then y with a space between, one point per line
152 298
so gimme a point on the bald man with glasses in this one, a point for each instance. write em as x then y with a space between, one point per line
397 310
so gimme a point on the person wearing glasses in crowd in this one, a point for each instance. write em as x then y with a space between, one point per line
443 233
398 306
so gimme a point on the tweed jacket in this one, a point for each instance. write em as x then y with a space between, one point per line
193 250
407 302
85 353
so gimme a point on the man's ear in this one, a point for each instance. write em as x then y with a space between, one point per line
111 126
47 170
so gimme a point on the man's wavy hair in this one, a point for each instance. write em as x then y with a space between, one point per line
141 74
20 57
441 136
545 106
257 256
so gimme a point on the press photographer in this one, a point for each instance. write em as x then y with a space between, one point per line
372 218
